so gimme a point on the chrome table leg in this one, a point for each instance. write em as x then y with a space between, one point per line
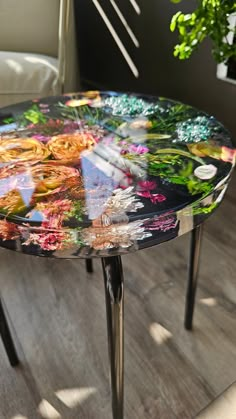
114 293
195 247
7 338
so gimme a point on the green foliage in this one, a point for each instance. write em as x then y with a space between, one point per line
34 115
209 19
174 169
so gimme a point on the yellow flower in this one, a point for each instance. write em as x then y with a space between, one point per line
74 103
51 179
14 150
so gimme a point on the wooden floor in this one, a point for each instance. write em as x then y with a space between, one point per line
58 316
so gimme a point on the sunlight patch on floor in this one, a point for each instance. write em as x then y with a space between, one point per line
47 411
159 333
72 397
19 417
211 302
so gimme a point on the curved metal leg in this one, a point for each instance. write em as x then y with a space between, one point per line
195 246
89 265
7 338
114 292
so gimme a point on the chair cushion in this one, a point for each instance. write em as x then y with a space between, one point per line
223 407
26 76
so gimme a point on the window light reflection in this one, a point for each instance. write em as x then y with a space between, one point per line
125 23
135 6
116 38
14 65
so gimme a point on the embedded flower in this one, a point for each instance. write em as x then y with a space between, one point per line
138 149
146 185
68 147
123 200
141 124
52 208
74 103
206 171
92 94
12 202
22 150
228 155
112 236
50 179
71 126
145 193
157 197
52 240
162 223
8 231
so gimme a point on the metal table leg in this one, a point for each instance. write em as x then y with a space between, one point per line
7 338
89 265
195 246
114 293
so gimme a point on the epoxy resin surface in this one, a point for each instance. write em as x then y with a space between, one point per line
101 173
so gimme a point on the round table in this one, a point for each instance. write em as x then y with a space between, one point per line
100 174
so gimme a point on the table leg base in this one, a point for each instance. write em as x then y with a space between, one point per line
7 338
114 294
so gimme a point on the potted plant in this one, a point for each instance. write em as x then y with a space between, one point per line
215 19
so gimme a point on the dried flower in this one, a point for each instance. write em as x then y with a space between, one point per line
123 200
146 185
120 235
163 222
68 147
54 240
22 150
8 231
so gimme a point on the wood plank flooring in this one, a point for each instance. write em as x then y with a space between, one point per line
57 312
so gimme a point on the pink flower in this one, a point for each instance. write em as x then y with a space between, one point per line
55 240
144 194
163 223
42 138
157 197
139 149
146 185
154 197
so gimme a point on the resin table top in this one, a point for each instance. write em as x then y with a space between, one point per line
100 173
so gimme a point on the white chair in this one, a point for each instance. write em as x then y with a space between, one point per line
37 49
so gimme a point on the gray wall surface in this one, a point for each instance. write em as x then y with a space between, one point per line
193 81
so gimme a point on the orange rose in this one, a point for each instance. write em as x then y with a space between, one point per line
12 202
68 147
51 179
14 150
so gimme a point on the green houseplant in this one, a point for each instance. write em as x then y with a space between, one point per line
209 19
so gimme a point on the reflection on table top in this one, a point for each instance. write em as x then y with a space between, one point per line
98 173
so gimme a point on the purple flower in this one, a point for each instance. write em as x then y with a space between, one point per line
138 149
42 138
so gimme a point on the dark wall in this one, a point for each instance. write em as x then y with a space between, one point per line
193 81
